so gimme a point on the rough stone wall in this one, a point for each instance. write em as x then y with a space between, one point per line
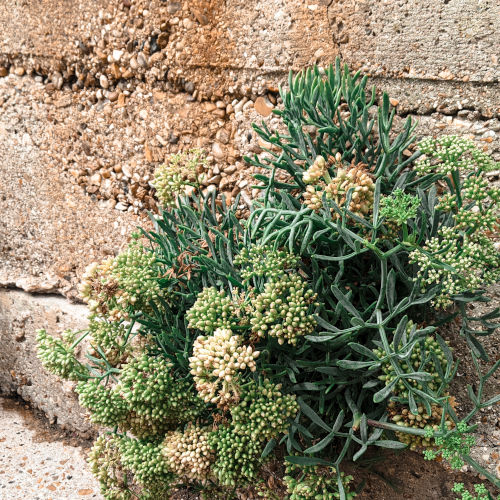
96 93
455 40
21 314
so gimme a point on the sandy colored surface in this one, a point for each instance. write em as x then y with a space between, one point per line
38 462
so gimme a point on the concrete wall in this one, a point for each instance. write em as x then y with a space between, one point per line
97 93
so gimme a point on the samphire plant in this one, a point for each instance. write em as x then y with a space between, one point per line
222 350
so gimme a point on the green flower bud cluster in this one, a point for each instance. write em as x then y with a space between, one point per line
481 493
58 355
129 280
263 260
315 482
105 464
494 194
476 219
479 206
475 188
145 460
182 170
317 170
399 207
212 310
421 359
451 152
215 363
362 183
188 454
448 203
473 257
403 417
109 337
156 400
107 407
263 411
282 309
453 446
237 456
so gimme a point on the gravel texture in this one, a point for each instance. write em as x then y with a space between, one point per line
39 462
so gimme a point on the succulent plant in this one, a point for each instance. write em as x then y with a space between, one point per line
229 345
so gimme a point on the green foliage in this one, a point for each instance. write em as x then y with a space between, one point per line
399 207
337 107
422 356
453 446
481 493
316 482
219 343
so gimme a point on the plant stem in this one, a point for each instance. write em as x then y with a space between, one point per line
481 470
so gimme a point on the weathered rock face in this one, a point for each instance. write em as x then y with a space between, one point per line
450 40
49 228
97 93
225 47
21 314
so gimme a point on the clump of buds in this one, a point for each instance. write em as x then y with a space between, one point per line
263 411
317 170
403 417
107 407
238 455
399 207
157 401
145 460
282 310
109 337
105 464
360 181
451 152
182 171
312 197
129 280
58 355
264 261
215 364
472 262
213 310
188 454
